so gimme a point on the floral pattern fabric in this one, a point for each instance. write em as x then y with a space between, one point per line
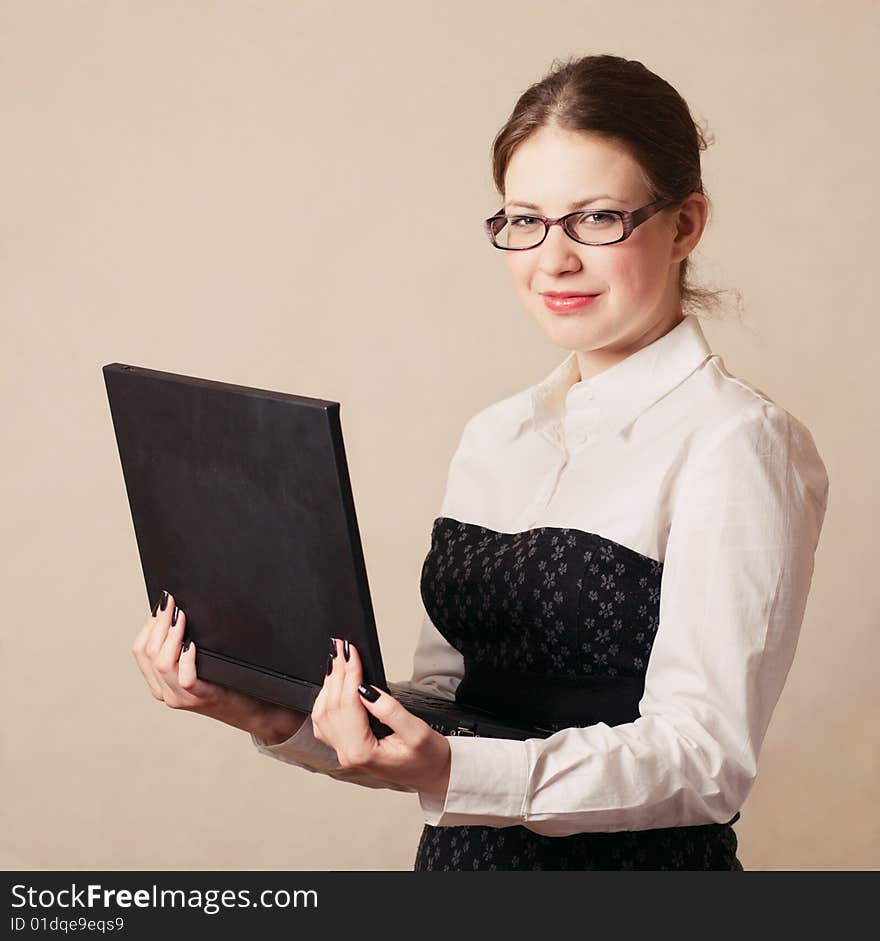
572 616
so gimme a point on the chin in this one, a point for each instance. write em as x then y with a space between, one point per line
571 331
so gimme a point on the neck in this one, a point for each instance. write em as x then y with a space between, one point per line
593 362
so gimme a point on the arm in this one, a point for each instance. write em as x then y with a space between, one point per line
737 572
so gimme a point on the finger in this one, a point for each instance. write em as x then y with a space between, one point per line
334 680
161 623
321 702
355 717
190 685
353 674
140 642
186 668
353 738
176 666
319 708
191 692
144 665
166 659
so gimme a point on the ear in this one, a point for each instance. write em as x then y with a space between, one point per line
690 221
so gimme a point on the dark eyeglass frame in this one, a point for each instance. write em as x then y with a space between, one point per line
631 220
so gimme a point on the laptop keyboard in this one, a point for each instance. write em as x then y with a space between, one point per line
446 706
456 725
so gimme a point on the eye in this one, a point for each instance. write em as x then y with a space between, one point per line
597 218
523 222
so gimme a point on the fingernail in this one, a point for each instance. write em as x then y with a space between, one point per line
345 651
155 608
329 664
174 614
332 646
368 692
163 601
185 646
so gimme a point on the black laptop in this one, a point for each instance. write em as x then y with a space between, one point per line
242 508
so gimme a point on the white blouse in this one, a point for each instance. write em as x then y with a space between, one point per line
669 454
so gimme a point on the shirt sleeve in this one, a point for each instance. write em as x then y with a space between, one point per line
437 670
737 571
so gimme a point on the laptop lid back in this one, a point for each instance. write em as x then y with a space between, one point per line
242 509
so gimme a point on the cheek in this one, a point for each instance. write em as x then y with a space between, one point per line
628 273
521 269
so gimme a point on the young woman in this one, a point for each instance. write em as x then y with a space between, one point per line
624 549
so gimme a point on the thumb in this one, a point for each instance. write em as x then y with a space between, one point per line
389 711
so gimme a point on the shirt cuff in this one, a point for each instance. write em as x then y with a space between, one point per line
301 749
432 807
488 778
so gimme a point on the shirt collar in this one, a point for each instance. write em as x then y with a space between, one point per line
619 394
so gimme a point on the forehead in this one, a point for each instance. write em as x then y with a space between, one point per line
554 166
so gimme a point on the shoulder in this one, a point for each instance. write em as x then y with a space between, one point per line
722 405
719 399
739 428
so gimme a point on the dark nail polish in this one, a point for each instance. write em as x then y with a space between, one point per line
155 608
174 614
368 692
329 664
345 650
332 647
185 646
163 601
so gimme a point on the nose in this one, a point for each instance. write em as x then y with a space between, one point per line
558 252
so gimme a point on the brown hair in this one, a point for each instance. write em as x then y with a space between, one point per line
624 101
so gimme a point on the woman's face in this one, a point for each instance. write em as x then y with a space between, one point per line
636 279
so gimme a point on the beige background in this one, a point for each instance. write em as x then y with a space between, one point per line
290 195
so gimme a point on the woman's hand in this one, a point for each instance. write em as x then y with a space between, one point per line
415 755
170 673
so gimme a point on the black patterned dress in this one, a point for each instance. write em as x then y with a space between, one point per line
555 626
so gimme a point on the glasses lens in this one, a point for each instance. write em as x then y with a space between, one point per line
597 227
517 231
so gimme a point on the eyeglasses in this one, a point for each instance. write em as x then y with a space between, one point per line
587 226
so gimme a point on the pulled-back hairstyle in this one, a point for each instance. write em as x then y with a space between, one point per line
622 100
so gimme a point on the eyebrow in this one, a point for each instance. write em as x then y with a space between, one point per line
577 204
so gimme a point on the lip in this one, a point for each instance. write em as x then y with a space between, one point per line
561 302
569 293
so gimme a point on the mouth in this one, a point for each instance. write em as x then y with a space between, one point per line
561 302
